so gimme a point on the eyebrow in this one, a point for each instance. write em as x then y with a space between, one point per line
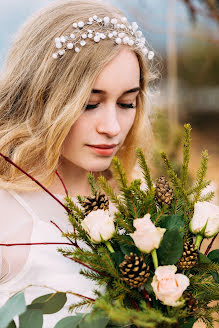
124 93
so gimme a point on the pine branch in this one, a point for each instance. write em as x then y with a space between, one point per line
122 221
149 318
74 208
80 305
145 168
119 172
93 185
201 175
186 155
179 190
208 197
108 263
107 188
102 280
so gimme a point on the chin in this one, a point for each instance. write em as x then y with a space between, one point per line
97 166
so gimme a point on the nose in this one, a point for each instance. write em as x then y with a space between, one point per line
108 123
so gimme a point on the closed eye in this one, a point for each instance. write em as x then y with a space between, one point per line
120 104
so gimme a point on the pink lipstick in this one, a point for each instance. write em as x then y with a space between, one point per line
104 150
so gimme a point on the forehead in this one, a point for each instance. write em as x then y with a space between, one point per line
120 74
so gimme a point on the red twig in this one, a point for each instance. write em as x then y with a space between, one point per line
82 296
210 245
147 297
37 182
73 243
135 305
66 190
77 261
30 244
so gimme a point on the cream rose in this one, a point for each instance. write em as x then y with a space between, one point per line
99 225
146 236
207 214
169 286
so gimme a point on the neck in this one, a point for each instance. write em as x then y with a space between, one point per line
74 178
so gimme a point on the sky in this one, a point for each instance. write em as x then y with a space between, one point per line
151 16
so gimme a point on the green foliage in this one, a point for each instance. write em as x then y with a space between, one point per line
93 184
50 303
31 318
101 263
186 154
214 256
145 168
171 247
14 306
201 174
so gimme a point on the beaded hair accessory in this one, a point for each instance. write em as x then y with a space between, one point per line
117 29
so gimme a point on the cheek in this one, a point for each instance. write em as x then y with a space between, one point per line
127 121
77 132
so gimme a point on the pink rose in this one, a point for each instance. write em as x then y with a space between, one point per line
169 286
146 236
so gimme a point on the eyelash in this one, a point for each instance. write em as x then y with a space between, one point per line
122 105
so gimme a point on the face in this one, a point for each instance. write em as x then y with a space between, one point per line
101 129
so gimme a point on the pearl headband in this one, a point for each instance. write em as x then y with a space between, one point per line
120 31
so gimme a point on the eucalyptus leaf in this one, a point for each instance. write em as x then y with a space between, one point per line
171 247
12 324
69 322
14 306
214 256
204 259
49 303
173 221
31 318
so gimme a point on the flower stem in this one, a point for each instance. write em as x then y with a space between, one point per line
154 257
198 241
109 246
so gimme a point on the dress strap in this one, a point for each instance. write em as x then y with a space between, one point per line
24 204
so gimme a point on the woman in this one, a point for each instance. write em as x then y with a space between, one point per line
72 95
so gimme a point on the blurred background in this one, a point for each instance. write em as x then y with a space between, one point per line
185 37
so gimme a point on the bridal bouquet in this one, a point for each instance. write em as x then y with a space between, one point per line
146 254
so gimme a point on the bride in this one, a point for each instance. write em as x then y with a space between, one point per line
72 95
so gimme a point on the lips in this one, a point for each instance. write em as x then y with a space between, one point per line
103 149
104 146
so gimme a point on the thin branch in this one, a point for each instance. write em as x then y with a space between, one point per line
66 190
147 297
37 182
77 261
73 243
34 244
210 245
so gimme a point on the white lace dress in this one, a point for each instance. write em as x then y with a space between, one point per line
25 217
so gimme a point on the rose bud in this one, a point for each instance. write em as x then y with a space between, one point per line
147 237
205 220
169 286
99 225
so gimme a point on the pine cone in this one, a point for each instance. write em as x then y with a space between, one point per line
99 201
189 257
164 194
191 302
134 270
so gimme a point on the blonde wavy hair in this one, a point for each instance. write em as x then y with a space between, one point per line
41 98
